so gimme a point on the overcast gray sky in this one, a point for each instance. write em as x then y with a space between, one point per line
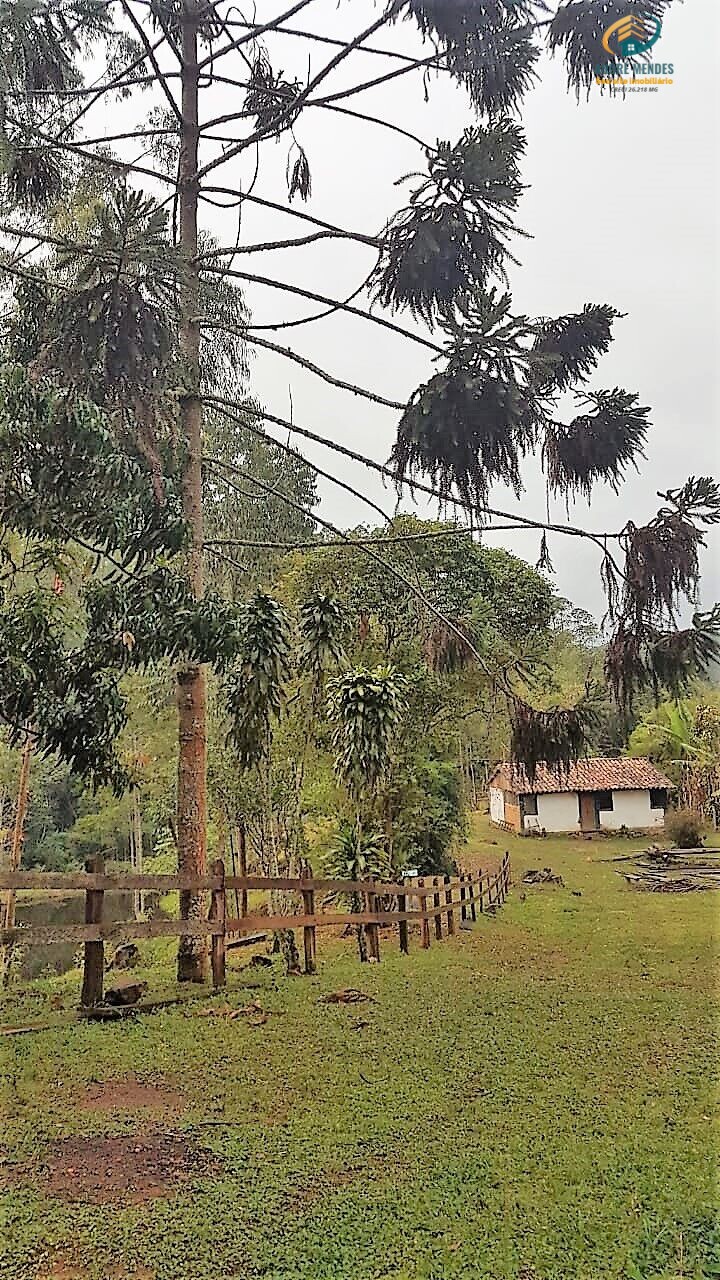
621 206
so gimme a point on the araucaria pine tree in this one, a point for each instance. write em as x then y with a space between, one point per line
125 335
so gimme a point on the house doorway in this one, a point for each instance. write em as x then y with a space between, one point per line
588 812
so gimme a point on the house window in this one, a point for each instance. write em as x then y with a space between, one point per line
604 801
658 798
529 806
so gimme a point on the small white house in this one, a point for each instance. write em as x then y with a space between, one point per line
593 794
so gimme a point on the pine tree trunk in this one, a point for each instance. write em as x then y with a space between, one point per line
191 685
16 848
136 845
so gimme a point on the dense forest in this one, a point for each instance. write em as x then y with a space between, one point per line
453 729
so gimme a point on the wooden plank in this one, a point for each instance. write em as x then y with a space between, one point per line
248 940
116 883
321 885
324 919
94 957
116 932
217 915
47 935
449 901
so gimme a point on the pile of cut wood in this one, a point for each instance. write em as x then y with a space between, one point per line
674 870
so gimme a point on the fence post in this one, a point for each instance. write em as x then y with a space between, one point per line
481 903
437 917
309 937
471 895
424 923
403 924
507 872
450 915
242 856
463 907
372 930
218 914
94 954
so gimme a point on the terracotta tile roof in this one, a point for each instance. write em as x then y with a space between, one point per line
590 774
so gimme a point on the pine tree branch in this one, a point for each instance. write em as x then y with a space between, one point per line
425 63
292 109
299 457
351 541
211 548
13 270
87 91
386 124
118 82
268 245
229 117
150 52
522 521
285 287
320 373
313 35
256 30
292 212
77 148
43 237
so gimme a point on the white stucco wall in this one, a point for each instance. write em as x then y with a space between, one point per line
497 805
632 809
556 812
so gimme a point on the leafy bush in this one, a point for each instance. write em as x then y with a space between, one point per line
685 828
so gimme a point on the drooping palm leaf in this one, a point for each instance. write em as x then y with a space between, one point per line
254 692
366 708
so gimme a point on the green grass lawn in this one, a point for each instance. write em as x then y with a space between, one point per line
531 1100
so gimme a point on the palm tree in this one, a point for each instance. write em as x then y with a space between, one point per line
354 855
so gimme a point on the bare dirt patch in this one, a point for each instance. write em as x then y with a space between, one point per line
60 1269
128 1168
130 1094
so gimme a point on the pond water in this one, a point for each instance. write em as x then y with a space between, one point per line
60 956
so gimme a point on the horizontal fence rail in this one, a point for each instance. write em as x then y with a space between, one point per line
385 903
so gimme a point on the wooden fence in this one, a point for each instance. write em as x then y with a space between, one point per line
386 904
